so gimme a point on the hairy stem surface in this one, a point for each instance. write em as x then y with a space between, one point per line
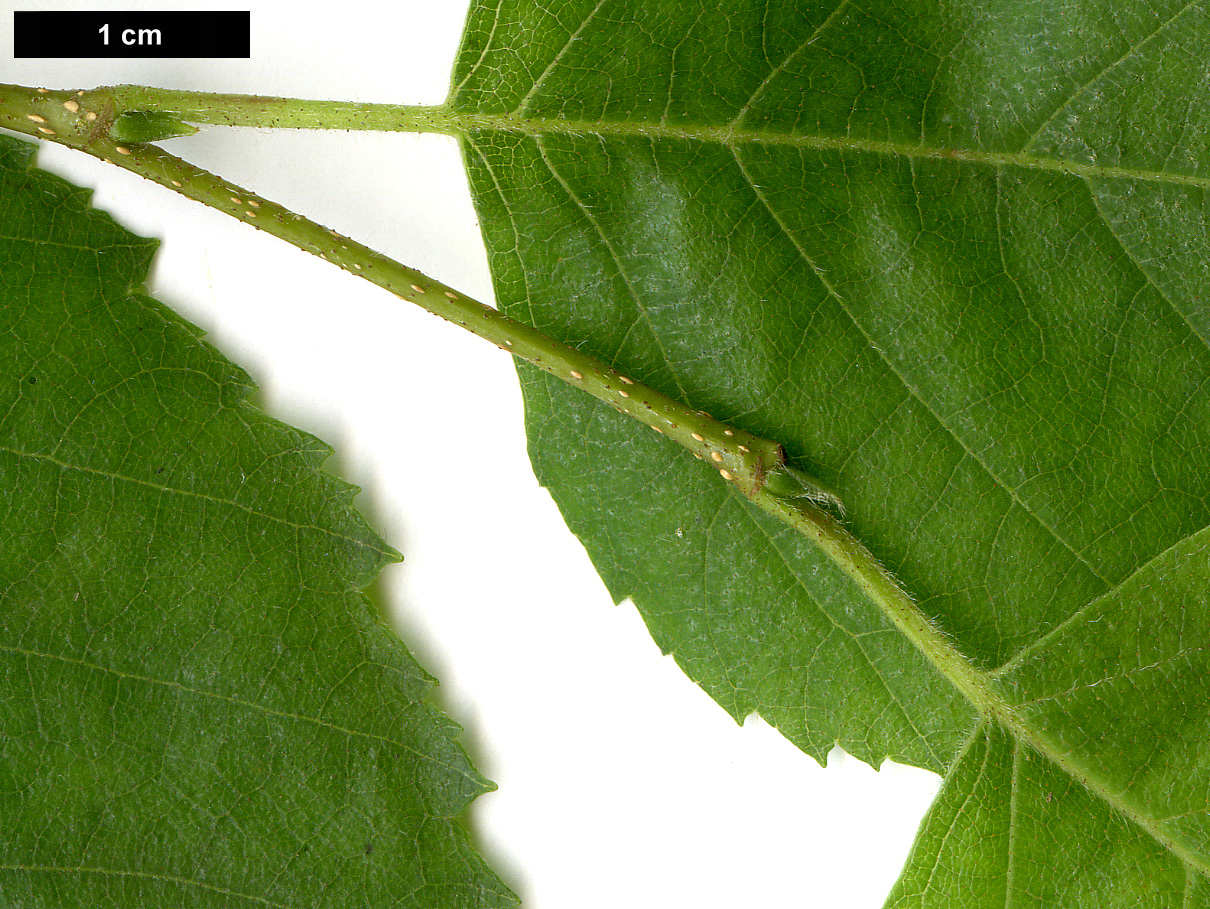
756 466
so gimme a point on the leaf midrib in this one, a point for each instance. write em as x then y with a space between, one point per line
751 517
450 120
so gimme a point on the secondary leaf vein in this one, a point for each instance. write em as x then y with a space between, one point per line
196 495
239 702
912 390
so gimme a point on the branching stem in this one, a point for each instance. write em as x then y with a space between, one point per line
756 466
89 120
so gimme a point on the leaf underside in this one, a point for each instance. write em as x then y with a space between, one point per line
197 705
954 258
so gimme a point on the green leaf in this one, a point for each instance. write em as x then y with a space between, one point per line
197 706
1009 828
1120 695
954 260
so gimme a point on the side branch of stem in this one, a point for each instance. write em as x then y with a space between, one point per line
754 465
744 459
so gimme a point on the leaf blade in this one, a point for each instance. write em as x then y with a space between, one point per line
954 210
1124 701
1051 843
613 457
243 730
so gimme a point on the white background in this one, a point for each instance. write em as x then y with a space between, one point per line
621 783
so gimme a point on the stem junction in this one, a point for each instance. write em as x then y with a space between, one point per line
117 124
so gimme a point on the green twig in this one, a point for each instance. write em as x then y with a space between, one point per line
756 466
92 123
